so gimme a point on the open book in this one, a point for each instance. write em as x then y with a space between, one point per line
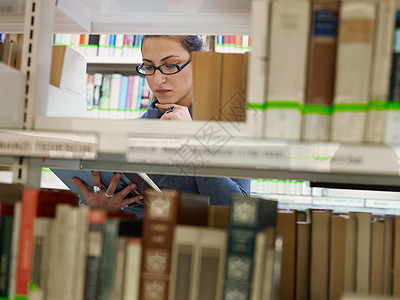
142 181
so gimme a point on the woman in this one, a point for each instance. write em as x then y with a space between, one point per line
168 70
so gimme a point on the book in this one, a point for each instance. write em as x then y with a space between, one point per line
63 253
263 264
381 68
396 257
320 246
248 216
218 216
35 202
41 254
377 257
132 269
197 262
394 91
286 227
233 103
388 256
108 258
207 74
336 260
303 257
10 199
363 257
289 33
120 257
142 181
349 272
353 70
160 217
193 209
130 231
96 220
320 69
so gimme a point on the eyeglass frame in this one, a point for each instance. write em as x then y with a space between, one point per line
159 68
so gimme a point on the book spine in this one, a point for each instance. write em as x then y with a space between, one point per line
25 245
287 69
6 228
394 92
240 243
14 250
96 219
321 68
353 70
132 269
107 271
160 217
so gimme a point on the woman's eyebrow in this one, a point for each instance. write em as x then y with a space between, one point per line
163 59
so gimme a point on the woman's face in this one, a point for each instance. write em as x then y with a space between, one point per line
168 89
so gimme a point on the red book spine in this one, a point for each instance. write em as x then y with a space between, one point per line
29 205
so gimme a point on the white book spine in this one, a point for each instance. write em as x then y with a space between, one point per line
353 69
287 67
257 74
381 68
132 269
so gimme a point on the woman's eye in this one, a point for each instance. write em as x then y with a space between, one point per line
170 66
147 68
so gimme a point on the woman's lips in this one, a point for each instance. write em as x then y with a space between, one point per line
162 91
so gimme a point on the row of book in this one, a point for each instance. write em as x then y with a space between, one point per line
12 6
11 50
324 70
116 96
128 45
102 45
53 249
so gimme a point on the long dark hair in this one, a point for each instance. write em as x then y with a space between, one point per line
189 42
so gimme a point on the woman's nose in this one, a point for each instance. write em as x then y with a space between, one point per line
159 77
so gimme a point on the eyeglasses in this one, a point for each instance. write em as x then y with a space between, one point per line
166 69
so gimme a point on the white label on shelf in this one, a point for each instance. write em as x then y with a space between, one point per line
48 144
337 201
367 160
194 153
382 203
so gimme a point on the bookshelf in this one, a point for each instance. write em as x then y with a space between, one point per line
122 145
298 161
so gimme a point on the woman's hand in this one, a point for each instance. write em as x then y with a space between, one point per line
179 112
106 198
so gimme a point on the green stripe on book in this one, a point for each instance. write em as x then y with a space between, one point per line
4 298
377 105
349 107
283 105
256 106
317 109
21 298
393 105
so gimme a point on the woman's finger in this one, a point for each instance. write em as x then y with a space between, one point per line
128 201
96 178
82 187
123 193
113 184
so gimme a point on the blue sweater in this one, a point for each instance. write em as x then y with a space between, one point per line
218 189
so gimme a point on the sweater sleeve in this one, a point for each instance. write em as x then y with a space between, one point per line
220 189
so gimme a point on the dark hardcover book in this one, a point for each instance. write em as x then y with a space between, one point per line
6 226
394 92
193 209
160 218
248 216
10 194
